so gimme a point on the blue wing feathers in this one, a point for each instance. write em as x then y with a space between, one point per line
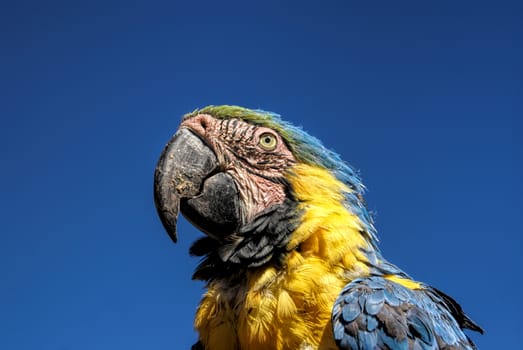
367 340
392 343
390 298
376 313
348 343
339 330
350 312
420 331
374 302
372 323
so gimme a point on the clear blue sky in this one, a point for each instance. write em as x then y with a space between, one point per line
425 100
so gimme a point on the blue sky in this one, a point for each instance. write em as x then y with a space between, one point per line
424 99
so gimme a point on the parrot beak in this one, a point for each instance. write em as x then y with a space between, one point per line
187 177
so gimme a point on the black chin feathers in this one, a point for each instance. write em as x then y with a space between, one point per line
261 241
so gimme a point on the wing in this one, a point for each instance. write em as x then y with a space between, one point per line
376 313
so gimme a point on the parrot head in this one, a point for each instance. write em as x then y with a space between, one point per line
246 179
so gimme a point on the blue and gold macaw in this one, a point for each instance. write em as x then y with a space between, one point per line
290 255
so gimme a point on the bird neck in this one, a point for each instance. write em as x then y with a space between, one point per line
328 229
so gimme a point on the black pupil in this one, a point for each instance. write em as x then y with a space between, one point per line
267 139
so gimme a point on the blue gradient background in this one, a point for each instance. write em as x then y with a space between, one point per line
425 98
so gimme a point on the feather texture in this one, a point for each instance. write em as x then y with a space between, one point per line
380 313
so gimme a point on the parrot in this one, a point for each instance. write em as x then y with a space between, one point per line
289 252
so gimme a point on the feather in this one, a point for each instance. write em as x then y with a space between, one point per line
374 302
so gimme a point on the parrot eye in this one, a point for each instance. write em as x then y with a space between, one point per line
268 141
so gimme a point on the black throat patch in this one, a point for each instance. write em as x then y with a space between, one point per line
261 241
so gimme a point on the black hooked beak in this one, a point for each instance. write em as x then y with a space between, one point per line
187 176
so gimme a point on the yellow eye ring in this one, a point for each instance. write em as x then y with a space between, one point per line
268 141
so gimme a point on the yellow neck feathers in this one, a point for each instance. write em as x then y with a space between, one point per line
328 230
